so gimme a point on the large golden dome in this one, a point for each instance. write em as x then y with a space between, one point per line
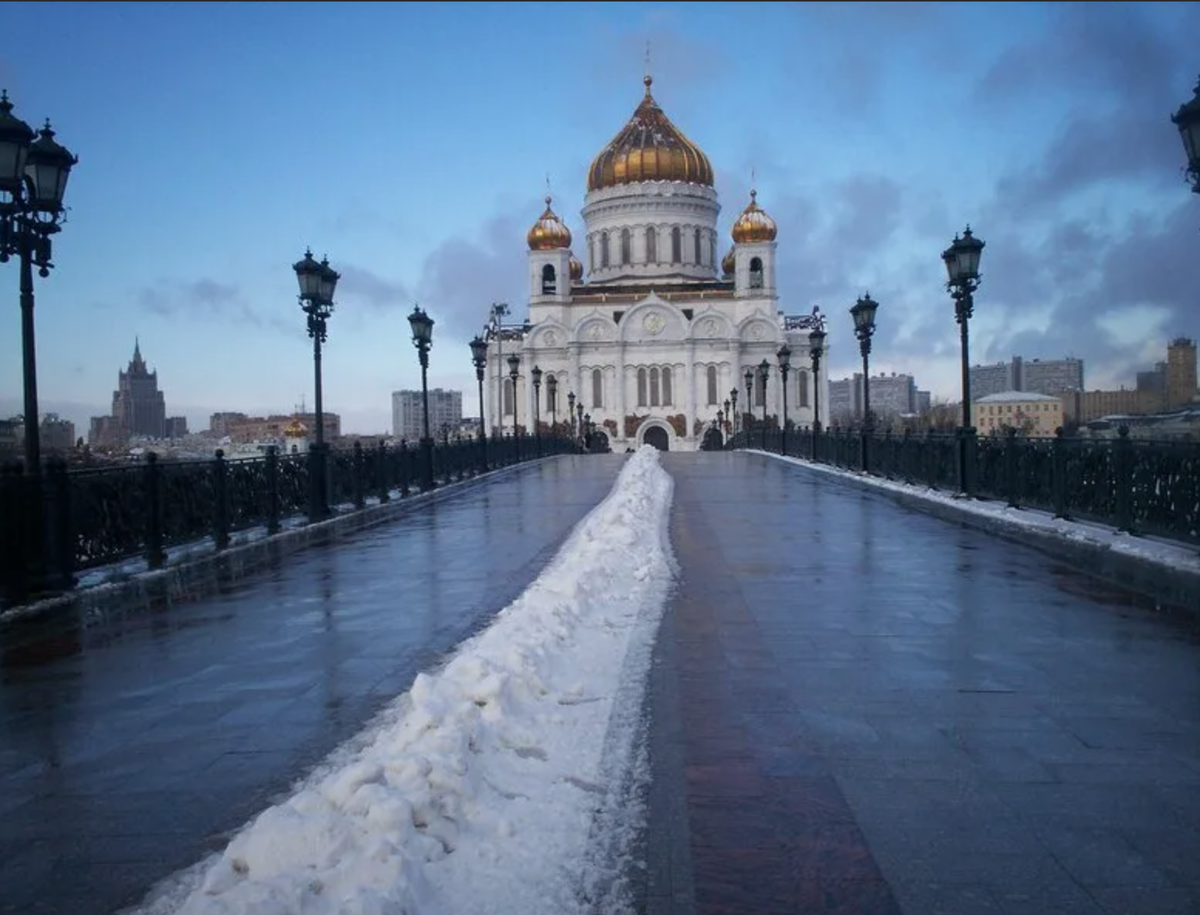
754 224
728 263
576 266
295 429
548 232
649 148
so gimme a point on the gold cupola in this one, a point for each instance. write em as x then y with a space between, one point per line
576 269
295 429
649 148
754 224
728 264
548 232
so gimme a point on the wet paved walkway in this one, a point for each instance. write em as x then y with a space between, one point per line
862 709
130 748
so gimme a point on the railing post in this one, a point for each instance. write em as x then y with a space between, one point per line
152 479
968 461
360 496
404 469
383 474
1123 479
272 468
929 461
60 541
1011 485
1058 475
220 501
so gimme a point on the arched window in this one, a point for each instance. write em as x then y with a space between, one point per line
676 246
597 389
802 388
641 385
756 273
548 283
591 253
552 393
666 386
510 401
654 398
696 240
651 246
625 247
603 249
760 389
712 385
712 250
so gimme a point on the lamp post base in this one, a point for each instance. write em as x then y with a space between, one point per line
427 481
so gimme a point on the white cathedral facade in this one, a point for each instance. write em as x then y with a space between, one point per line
661 333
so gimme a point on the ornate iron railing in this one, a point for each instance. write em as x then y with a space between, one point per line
1140 487
63 521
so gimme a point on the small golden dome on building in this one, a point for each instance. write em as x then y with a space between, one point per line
649 148
576 269
754 224
728 263
548 232
295 429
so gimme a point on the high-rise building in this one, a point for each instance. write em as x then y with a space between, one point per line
992 379
138 407
445 412
1180 372
1038 376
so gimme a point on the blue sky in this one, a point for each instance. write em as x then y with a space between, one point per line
411 143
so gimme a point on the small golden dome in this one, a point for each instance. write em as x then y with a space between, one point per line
576 269
754 224
548 232
649 148
295 429
728 264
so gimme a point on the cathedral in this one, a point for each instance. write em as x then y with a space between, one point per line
656 342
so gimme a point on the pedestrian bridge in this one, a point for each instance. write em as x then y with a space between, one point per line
854 706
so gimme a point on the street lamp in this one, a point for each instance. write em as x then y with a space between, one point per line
498 311
552 402
728 415
764 372
536 374
1187 119
571 411
33 179
749 379
816 349
785 365
733 397
587 431
863 313
962 272
479 350
317 284
579 416
514 369
422 335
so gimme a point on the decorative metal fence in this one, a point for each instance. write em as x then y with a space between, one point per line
1140 487
64 521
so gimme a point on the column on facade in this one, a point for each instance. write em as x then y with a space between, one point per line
576 378
620 408
689 394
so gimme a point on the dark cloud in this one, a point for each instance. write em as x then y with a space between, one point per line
462 277
205 299
360 286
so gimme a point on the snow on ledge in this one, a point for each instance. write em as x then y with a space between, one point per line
479 790
1177 557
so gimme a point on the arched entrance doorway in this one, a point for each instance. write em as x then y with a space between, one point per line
657 436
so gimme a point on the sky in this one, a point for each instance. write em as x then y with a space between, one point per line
508 780
411 143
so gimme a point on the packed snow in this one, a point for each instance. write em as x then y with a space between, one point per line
505 781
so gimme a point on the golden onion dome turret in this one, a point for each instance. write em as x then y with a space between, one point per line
728 264
295 429
649 148
576 269
754 224
548 232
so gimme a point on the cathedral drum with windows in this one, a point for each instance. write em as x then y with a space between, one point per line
663 329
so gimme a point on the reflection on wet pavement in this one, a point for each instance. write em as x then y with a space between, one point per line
129 747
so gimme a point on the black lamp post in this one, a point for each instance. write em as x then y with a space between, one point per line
816 349
536 374
764 372
785 366
514 370
749 379
33 179
498 311
733 398
579 417
479 350
317 284
962 272
863 313
571 411
587 430
552 403
728 415
1187 119
422 335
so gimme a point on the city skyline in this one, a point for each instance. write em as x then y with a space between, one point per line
1060 154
